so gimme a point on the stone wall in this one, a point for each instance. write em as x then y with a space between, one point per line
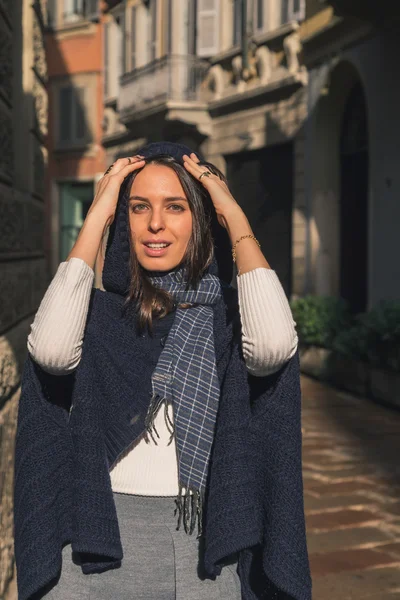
23 267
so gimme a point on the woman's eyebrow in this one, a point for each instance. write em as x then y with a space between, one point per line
166 199
141 198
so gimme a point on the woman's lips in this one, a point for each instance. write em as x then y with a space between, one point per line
151 251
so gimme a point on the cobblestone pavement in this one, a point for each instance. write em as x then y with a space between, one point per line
351 461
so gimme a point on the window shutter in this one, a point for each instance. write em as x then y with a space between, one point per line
152 30
133 38
65 114
207 27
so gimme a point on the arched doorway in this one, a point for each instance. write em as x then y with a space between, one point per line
354 201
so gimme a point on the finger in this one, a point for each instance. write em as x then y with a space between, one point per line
190 159
194 158
192 168
199 173
116 167
192 165
129 168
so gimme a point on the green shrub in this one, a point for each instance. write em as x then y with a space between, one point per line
353 341
383 326
374 337
319 319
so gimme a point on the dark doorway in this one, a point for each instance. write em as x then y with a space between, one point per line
262 183
354 202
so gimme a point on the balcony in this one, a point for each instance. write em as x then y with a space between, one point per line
171 83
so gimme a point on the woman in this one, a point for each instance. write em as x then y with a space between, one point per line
160 389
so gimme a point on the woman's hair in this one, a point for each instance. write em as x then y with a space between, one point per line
151 302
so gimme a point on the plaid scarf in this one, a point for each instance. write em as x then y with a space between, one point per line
186 377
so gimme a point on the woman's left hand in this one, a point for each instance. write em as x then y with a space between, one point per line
219 192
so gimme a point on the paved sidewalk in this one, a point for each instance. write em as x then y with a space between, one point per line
351 459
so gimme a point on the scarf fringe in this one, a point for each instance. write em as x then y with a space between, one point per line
189 506
151 430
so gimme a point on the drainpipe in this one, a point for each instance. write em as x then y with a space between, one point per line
245 42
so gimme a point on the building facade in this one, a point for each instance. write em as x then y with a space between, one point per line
74 47
283 96
225 77
23 264
352 153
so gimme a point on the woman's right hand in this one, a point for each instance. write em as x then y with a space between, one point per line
102 210
107 191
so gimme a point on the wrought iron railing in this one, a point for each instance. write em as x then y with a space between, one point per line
170 78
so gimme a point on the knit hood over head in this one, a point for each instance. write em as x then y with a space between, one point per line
116 272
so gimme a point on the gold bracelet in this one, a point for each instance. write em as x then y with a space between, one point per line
239 240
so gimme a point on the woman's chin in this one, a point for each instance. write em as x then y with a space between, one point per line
157 264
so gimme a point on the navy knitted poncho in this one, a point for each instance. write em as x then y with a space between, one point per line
254 500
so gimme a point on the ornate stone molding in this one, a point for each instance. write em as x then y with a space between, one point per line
41 101
293 47
263 64
216 81
39 56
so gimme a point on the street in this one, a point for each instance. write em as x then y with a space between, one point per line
351 450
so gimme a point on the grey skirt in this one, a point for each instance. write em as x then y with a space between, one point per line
159 562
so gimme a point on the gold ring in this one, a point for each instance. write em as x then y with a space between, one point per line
205 174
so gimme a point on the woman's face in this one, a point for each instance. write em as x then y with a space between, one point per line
160 218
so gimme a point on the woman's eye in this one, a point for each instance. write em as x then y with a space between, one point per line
176 207
138 207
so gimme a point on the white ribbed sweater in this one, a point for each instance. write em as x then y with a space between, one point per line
269 339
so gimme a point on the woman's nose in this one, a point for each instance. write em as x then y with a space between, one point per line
156 222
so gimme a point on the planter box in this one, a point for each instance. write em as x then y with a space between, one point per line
313 361
348 373
352 375
385 386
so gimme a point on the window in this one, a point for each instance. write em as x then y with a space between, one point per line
207 27
114 55
73 10
152 36
237 22
75 201
92 9
293 10
72 129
